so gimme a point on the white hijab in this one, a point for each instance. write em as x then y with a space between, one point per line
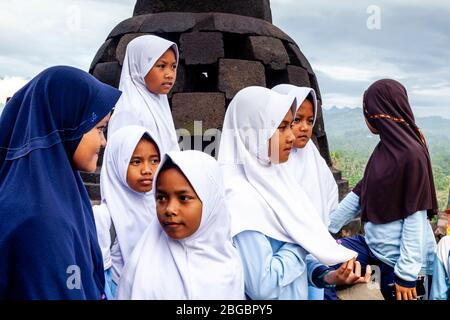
261 196
137 105
130 211
203 266
307 165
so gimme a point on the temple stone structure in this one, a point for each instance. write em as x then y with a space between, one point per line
224 47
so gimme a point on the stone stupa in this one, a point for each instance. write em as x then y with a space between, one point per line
224 46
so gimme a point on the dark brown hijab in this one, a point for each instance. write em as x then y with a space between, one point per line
398 180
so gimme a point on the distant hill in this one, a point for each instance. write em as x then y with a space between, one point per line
348 123
351 144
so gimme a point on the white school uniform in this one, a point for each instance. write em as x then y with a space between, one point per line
139 106
261 196
130 211
307 165
204 265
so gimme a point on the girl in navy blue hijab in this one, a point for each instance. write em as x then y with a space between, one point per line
50 129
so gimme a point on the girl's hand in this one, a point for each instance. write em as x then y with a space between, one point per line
404 293
349 273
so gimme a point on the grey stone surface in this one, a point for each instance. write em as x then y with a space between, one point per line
269 50
343 188
253 8
93 190
322 143
168 22
108 72
242 25
361 291
222 52
130 25
299 57
180 81
237 74
319 129
201 47
105 53
209 108
315 85
298 76
123 43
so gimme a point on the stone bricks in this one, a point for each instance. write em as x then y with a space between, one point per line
319 129
107 52
237 74
168 22
201 47
234 23
123 43
298 76
130 25
268 50
253 8
315 85
207 107
300 58
322 143
180 81
224 47
108 72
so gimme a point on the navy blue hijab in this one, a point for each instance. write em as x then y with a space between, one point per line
48 241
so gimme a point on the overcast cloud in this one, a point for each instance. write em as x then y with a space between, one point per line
350 44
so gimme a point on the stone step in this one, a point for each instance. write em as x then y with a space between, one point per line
95 202
337 174
93 190
91 177
343 188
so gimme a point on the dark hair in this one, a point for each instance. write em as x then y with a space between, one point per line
169 164
148 138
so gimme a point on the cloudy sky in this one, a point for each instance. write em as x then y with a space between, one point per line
350 44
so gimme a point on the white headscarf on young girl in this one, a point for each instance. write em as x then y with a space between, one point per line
129 210
307 165
262 196
137 105
204 265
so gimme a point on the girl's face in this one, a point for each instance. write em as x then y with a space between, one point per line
161 78
302 126
281 142
178 207
85 156
143 164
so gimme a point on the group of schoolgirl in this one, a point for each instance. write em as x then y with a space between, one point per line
255 224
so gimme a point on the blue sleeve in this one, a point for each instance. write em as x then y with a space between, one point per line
316 272
267 272
348 209
440 287
410 261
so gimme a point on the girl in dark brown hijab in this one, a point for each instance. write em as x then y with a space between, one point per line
394 197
